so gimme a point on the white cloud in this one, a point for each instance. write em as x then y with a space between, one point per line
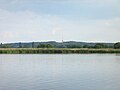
29 26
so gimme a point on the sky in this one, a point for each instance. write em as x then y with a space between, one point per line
57 20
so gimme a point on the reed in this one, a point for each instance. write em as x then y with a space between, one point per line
55 50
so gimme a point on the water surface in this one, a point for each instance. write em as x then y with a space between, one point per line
60 72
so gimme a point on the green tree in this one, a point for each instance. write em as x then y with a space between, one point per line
73 46
117 45
44 46
86 46
33 45
20 45
1 45
49 46
100 45
41 46
5 46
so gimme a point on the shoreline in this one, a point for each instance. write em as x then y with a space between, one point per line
56 51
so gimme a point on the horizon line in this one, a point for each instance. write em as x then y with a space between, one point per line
60 41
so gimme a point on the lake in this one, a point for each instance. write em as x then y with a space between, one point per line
60 72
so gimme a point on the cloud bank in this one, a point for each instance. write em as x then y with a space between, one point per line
30 26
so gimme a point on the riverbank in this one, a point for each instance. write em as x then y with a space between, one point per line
54 50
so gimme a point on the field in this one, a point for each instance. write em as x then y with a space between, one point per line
54 50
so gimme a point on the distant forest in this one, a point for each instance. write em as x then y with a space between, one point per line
53 44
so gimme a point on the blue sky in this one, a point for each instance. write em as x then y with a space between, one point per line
54 20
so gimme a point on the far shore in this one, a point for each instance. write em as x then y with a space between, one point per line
56 50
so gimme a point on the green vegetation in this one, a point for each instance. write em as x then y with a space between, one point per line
45 46
86 46
100 45
54 50
117 45
33 45
4 46
53 44
73 46
66 48
1 45
20 45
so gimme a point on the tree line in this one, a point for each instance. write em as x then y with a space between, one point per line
96 46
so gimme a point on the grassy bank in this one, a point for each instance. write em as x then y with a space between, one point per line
54 50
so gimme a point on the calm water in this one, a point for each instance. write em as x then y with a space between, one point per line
60 72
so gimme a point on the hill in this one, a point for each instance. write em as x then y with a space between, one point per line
55 44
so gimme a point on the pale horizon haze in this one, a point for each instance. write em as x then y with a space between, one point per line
57 20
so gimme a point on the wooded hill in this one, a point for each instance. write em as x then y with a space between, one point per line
53 44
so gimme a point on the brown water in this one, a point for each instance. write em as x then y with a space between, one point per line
60 72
